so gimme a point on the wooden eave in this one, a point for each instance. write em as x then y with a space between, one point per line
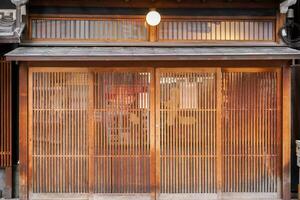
151 53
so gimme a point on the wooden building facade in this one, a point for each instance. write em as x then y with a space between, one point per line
198 107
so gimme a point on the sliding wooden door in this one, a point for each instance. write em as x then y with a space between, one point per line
251 133
123 136
187 142
58 133
219 133
178 133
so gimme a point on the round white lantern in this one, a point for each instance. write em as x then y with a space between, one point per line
153 18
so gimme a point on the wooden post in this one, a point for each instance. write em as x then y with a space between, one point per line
23 154
91 136
152 137
286 132
152 33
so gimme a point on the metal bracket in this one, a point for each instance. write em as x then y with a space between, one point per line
284 6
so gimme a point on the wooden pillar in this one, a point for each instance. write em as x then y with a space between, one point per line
286 132
23 154
152 137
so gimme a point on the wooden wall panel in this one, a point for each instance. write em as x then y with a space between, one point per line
250 132
187 115
5 114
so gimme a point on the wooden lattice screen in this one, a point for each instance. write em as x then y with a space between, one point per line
217 30
88 29
216 133
5 114
135 29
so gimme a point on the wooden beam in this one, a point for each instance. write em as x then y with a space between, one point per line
23 125
190 63
158 4
286 132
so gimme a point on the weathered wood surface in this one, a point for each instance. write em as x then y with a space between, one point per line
151 53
